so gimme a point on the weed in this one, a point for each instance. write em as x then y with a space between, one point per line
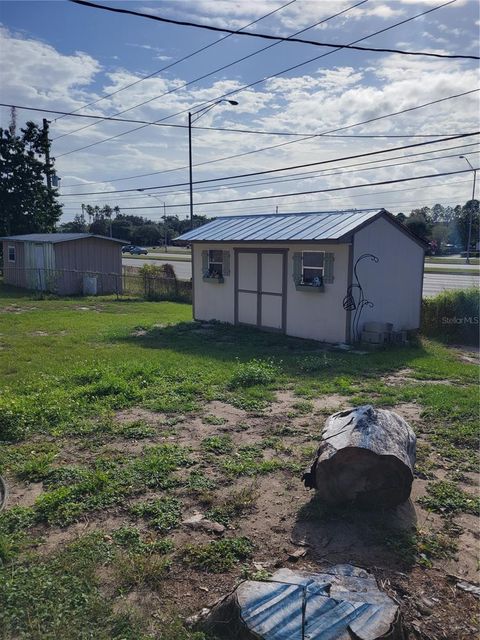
218 444
313 364
254 372
199 482
163 513
302 407
260 575
135 570
218 556
131 539
419 546
136 430
234 505
216 420
446 497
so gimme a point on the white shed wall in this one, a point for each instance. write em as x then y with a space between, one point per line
394 285
313 315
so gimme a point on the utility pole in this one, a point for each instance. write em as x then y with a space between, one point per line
190 167
474 171
46 143
165 232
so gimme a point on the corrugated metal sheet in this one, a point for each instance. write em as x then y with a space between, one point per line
322 225
57 237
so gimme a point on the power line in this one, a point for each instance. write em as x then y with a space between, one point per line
266 36
311 202
303 193
304 175
226 129
284 144
274 75
154 173
172 65
298 166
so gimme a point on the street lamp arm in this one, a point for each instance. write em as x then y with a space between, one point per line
196 115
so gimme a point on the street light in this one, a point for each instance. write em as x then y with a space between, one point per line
193 117
471 209
165 235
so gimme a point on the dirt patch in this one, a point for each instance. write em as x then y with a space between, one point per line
22 494
405 376
137 413
409 411
224 411
285 401
13 308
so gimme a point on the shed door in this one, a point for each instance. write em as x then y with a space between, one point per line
261 288
40 266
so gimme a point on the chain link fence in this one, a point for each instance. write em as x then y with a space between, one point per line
150 284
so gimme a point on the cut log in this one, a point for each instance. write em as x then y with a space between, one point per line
366 456
340 604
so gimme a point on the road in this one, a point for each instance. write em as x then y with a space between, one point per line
475 268
432 283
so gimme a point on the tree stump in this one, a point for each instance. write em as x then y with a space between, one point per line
340 604
366 456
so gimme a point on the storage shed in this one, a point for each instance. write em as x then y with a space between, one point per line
64 263
316 275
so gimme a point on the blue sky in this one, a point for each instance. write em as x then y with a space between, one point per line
57 55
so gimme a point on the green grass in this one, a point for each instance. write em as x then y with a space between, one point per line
59 398
218 556
446 497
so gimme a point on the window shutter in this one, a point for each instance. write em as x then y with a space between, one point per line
297 267
226 263
204 262
328 268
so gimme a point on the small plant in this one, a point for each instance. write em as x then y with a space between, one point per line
445 497
136 430
218 556
254 372
164 513
313 364
234 505
218 444
216 420
303 407
199 482
135 570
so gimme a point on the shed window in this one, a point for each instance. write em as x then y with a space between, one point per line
313 267
11 254
215 263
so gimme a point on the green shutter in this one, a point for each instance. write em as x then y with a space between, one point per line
297 267
226 263
328 268
204 262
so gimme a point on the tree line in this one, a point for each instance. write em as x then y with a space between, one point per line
109 221
445 228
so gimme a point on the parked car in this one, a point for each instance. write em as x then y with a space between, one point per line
133 250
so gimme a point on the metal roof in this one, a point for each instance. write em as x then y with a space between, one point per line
280 227
57 237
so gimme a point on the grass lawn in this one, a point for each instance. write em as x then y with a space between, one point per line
121 419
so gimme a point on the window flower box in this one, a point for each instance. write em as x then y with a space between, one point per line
214 279
309 287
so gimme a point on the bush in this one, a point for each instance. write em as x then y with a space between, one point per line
452 316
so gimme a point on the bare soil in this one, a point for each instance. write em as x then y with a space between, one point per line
280 524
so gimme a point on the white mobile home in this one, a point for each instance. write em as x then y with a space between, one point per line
311 275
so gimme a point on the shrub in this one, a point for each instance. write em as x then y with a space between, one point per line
452 316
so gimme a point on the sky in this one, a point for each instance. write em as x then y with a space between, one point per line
60 56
